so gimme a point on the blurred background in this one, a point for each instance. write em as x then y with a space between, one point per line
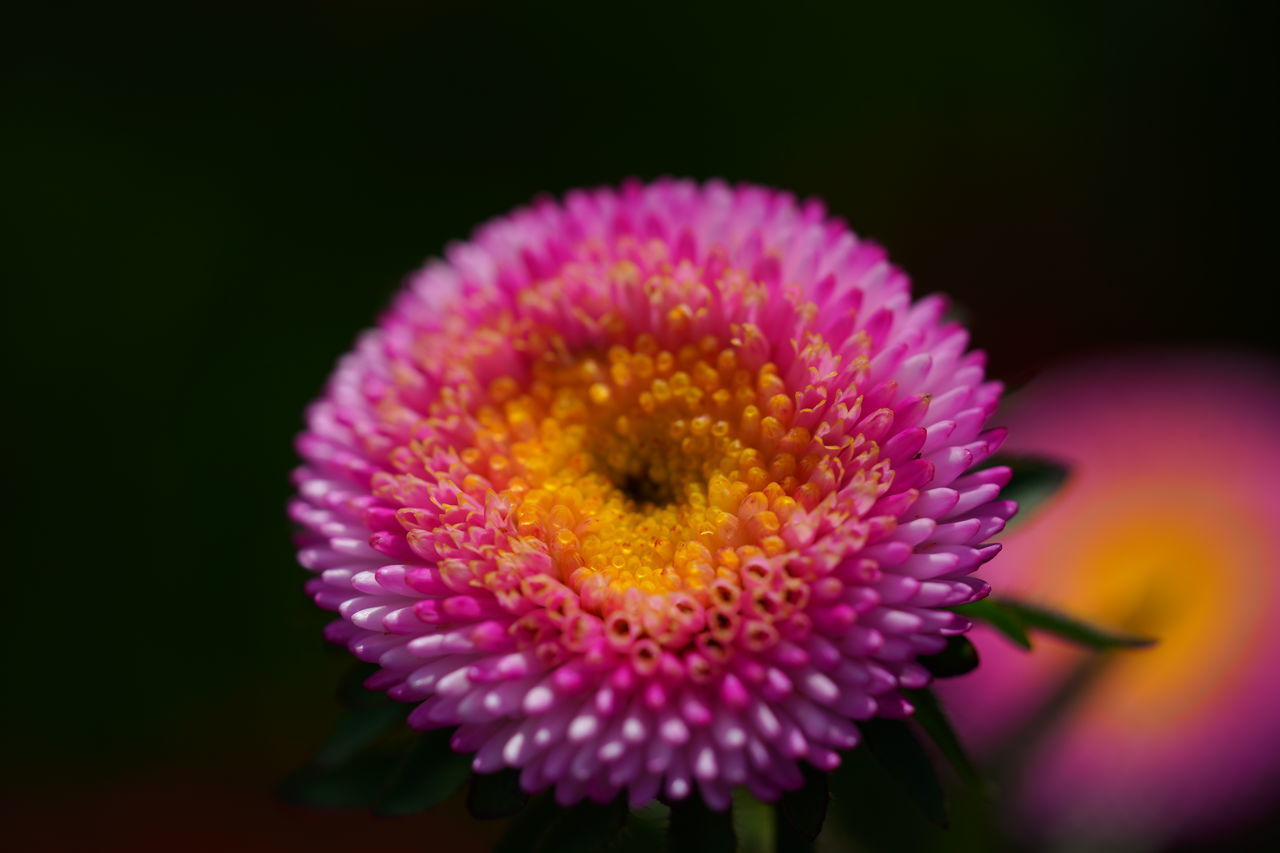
203 205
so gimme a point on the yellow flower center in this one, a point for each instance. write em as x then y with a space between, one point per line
645 469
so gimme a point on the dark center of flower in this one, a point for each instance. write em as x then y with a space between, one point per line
644 492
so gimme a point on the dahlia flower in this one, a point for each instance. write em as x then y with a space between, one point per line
655 490
1166 528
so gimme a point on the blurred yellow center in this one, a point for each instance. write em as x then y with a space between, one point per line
1164 569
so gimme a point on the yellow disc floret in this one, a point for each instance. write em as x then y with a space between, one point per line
645 469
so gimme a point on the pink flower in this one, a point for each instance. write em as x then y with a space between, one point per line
1166 528
657 488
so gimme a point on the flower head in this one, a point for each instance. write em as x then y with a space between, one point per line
657 488
1166 528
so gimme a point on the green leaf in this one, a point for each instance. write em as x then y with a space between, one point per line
1003 619
355 761
933 719
872 808
646 831
801 813
754 823
354 784
1035 480
356 729
586 828
353 694
528 829
958 658
545 827
496 795
1070 628
896 748
695 828
429 775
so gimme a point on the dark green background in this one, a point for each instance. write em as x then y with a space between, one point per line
202 207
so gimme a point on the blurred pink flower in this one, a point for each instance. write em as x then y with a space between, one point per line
1168 527
656 488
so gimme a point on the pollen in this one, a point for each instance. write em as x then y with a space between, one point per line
640 470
